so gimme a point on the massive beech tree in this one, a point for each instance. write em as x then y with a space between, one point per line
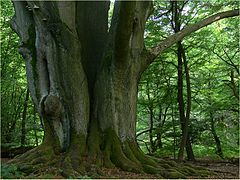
83 81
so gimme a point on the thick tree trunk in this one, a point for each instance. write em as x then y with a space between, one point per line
83 81
56 78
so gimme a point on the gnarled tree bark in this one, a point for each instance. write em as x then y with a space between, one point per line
83 81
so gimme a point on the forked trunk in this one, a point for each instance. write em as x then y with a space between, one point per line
83 79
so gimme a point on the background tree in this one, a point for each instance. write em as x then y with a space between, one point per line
16 116
197 49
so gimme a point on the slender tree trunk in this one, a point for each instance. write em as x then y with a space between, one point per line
213 130
152 144
24 115
35 125
189 149
238 141
190 154
15 115
160 126
184 118
185 142
161 121
176 25
150 108
174 133
184 124
233 86
216 138
159 129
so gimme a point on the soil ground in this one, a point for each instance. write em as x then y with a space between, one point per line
222 169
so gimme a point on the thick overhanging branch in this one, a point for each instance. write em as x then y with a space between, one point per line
168 42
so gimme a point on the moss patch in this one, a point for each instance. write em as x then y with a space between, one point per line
113 147
112 153
141 156
175 175
130 155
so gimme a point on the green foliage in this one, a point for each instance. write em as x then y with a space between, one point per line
14 88
212 56
48 176
10 172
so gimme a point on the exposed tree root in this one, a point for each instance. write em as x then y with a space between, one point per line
112 153
129 157
36 160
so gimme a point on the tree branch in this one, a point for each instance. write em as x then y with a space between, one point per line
231 62
143 132
155 51
226 61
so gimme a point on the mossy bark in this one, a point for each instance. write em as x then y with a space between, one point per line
83 80
112 153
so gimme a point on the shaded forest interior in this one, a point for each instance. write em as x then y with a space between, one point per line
188 98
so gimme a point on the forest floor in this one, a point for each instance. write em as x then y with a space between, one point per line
222 169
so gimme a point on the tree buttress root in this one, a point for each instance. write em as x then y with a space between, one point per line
110 153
